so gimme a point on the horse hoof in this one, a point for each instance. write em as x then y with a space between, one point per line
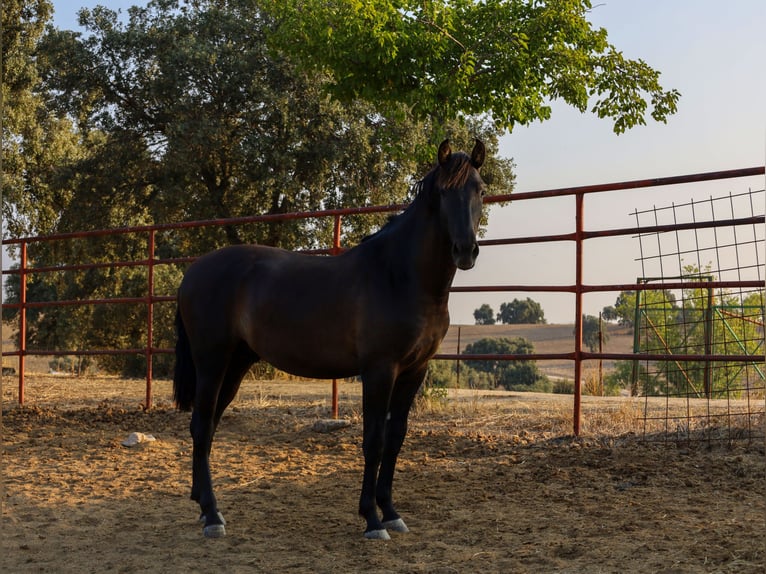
202 518
397 525
377 535
214 531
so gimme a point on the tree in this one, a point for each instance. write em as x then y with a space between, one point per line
505 58
484 315
591 331
214 124
184 112
512 375
517 312
609 313
716 322
621 377
701 322
35 141
624 309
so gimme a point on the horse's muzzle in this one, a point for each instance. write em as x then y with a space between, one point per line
465 255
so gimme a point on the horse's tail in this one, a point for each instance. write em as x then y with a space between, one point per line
185 376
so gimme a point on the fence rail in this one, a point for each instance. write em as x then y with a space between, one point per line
579 237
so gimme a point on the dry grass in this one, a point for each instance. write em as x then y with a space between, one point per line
545 416
520 416
510 413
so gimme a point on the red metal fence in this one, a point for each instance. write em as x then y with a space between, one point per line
577 287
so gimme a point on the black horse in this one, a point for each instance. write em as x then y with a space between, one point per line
379 310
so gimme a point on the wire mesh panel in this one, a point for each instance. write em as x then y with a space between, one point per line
688 399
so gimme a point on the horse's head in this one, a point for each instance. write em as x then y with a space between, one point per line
460 191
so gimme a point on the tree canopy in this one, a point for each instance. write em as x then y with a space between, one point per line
694 321
34 140
181 110
592 331
505 58
511 375
185 109
517 311
484 315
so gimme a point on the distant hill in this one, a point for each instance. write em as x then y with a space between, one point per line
546 339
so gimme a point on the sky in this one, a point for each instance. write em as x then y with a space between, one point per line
712 53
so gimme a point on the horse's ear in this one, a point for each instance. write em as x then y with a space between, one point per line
444 152
478 154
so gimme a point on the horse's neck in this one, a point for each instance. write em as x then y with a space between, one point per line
427 248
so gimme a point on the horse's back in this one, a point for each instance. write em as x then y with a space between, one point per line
296 311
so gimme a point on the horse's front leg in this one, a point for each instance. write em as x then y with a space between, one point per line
376 393
404 392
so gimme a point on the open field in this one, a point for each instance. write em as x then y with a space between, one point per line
545 338
489 482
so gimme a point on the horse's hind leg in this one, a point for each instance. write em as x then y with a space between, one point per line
214 394
405 389
241 360
209 382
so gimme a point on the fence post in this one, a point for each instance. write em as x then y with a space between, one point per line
457 363
579 234
335 251
149 320
22 318
600 360
708 334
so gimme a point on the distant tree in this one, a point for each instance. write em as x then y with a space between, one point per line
609 313
620 378
518 311
625 306
484 315
511 375
590 332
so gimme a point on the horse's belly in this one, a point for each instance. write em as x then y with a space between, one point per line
313 367
304 353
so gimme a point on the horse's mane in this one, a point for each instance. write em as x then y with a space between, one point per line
455 176
387 225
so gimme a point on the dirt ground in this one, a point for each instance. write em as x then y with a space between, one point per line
487 483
